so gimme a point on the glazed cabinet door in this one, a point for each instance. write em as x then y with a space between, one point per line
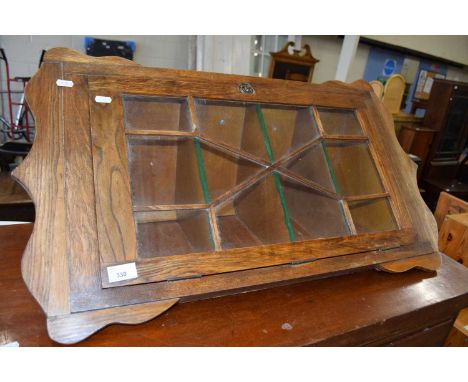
188 186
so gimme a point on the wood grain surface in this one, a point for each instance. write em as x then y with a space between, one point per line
77 174
363 308
45 260
73 328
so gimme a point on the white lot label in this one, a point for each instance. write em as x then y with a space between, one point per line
122 272
102 99
65 83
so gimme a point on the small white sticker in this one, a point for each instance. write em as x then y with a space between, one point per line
122 272
14 344
102 99
65 83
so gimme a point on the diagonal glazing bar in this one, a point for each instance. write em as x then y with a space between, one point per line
308 183
202 177
233 151
279 187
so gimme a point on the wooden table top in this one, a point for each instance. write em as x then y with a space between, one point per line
366 307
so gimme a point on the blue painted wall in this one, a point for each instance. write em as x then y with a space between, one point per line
378 61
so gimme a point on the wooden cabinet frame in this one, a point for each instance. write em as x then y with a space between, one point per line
77 174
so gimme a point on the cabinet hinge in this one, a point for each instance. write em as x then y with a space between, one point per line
299 262
184 278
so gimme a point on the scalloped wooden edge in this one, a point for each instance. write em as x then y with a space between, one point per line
429 263
71 55
72 328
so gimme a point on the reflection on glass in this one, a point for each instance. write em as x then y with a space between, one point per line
278 209
270 43
225 171
266 66
339 122
238 142
311 214
373 215
312 165
253 216
168 233
267 132
354 169
256 62
282 40
163 171
156 113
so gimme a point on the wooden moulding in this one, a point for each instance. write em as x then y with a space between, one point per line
73 328
78 176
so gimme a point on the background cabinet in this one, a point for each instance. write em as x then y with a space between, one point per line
447 113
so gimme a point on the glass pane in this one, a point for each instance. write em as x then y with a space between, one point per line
372 215
278 209
164 171
224 171
168 233
282 40
312 165
354 169
453 137
270 45
339 122
257 42
156 113
256 62
266 66
253 217
312 215
288 129
267 132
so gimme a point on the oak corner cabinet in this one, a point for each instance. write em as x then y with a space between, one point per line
158 186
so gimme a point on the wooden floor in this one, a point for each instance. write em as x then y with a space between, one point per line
414 308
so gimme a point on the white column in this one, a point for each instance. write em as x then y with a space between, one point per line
348 50
200 52
192 53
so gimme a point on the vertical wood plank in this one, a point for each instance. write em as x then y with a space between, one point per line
82 240
115 223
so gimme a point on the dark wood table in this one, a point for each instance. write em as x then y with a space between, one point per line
364 308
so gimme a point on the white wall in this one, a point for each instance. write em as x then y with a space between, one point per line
23 53
453 48
457 74
327 49
160 51
227 54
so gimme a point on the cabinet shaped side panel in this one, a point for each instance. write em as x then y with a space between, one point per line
45 262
